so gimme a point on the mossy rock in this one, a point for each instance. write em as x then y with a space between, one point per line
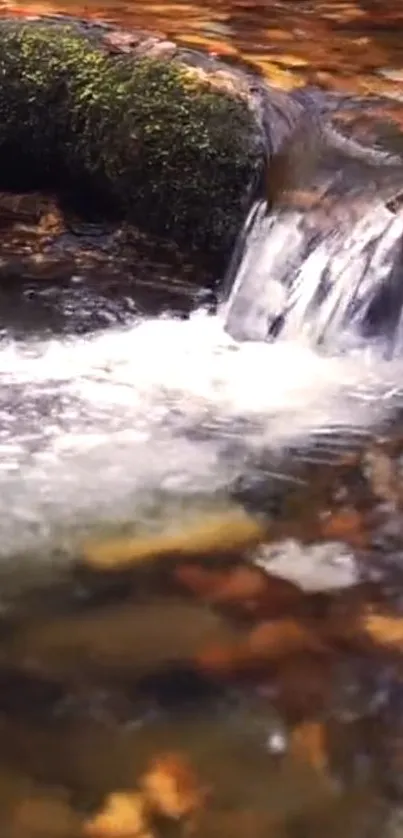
153 139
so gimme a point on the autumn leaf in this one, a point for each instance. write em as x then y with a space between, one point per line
384 630
269 643
345 525
275 639
123 816
308 744
244 587
171 787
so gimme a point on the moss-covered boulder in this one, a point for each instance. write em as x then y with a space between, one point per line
169 140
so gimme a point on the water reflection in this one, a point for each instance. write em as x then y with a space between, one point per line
345 46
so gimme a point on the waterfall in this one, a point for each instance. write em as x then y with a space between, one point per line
327 273
141 414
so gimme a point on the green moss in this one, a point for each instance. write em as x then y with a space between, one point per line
169 151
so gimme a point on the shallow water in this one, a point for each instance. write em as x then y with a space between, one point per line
96 427
348 45
129 415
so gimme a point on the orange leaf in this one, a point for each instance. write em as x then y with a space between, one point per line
245 587
171 787
268 644
123 816
383 630
308 743
346 526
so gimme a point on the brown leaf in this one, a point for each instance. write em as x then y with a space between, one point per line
244 587
123 816
346 525
342 624
304 686
171 787
275 640
384 630
308 743
268 644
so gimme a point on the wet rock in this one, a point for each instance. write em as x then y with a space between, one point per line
169 139
356 814
41 816
229 535
31 208
382 473
165 776
304 686
116 644
240 823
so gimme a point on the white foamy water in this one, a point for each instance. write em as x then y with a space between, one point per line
316 272
92 426
108 426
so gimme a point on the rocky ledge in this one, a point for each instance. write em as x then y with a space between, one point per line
134 127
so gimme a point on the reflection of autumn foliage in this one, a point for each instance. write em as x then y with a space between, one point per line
341 46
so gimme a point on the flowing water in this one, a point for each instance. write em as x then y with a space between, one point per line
323 280
93 426
117 416
97 426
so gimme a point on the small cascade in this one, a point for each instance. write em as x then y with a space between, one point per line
322 275
107 422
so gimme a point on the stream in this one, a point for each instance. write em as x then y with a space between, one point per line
246 680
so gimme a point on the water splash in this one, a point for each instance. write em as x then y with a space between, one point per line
326 277
106 426
93 426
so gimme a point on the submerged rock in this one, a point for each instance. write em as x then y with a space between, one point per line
227 535
115 645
